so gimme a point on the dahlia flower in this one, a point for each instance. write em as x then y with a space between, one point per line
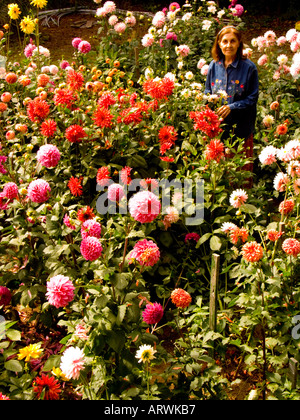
181 298
252 251
144 206
75 133
32 351
291 246
214 150
90 248
273 235
5 296
75 42
281 181
72 362
145 353
90 228
10 190
75 186
102 176
48 155
48 386
286 206
238 198
172 216
192 236
38 191
268 155
60 291
84 47
48 128
115 192
153 313
146 252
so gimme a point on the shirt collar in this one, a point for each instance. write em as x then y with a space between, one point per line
234 64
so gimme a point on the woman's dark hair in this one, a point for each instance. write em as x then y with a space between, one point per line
216 51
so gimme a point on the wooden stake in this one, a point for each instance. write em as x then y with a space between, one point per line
293 371
215 270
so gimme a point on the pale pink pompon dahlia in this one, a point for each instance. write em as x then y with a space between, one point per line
144 206
72 362
60 291
38 191
48 155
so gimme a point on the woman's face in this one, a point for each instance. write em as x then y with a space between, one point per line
229 45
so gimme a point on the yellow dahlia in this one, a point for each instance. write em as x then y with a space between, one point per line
33 351
27 25
39 3
13 11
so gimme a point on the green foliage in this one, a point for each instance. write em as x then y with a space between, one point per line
40 240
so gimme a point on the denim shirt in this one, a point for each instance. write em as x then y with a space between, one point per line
240 81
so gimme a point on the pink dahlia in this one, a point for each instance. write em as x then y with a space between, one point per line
72 362
115 192
48 155
291 246
145 252
268 155
144 206
238 198
193 236
10 190
153 313
84 47
38 191
60 291
76 41
286 206
90 228
90 248
5 296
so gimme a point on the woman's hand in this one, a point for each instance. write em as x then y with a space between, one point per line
224 111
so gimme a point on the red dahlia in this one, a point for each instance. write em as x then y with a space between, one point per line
48 128
75 186
37 110
85 213
102 117
206 121
48 386
65 97
214 150
102 176
75 133
75 80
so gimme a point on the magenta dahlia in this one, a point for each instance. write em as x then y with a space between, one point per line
90 248
153 313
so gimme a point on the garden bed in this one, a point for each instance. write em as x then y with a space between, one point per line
107 291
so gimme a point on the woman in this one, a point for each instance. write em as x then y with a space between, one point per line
232 72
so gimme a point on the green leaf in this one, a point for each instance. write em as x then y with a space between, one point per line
13 365
215 243
121 314
203 239
14 335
